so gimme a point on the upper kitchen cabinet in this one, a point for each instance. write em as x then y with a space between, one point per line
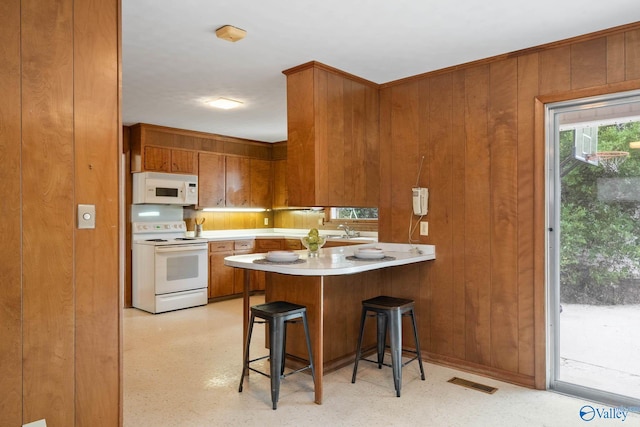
238 182
261 183
211 180
280 192
279 175
333 141
230 181
149 152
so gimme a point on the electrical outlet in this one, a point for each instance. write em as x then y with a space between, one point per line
320 221
266 221
424 228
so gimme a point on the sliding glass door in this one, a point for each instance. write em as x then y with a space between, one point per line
594 247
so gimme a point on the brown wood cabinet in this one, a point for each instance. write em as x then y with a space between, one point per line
238 182
333 146
280 192
243 247
293 244
221 277
226 281
146 156
211 180
261 183
263 246
230 181
335 243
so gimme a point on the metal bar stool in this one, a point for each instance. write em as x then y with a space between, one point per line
276 314
389 312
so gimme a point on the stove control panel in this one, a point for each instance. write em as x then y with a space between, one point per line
159 227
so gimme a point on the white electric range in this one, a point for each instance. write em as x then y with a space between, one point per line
169 270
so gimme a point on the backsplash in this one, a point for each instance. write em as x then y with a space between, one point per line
227 220
302 219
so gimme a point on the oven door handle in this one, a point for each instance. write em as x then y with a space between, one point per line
181 248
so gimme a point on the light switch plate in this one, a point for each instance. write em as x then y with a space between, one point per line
424 228
86 216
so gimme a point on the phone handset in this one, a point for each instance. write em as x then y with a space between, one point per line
420 200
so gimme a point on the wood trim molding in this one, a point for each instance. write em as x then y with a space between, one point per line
494 373
565 42
319 65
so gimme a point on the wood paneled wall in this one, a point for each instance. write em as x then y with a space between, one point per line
10 251
482 301
59 305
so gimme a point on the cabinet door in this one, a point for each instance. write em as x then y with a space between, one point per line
221 282
293 244
280 196
211 180
238 276
266 245
238 178
183 161
261 184
157 159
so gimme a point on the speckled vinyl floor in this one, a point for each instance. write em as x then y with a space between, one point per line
183 369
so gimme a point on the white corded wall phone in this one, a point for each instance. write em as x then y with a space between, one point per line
420 200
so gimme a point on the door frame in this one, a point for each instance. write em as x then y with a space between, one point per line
549 108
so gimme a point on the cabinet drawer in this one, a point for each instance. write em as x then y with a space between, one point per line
268 244
292 244
243 245
223 245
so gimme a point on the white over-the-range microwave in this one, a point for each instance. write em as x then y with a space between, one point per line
165 188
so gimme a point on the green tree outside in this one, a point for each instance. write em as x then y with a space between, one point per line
600 237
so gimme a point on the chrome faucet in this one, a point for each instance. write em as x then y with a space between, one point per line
349 232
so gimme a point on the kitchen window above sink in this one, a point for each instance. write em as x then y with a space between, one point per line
354 214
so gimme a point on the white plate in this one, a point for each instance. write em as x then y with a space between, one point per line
282 256
369 253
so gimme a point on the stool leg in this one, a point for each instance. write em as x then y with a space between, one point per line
395 339
415 336
359 349
381 320
245 361
308 338
276 336
284 347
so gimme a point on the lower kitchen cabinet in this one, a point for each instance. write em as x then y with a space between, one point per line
226 281
221 277
264 245
293 244
335 243
242 247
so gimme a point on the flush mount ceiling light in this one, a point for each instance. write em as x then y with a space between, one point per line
230 33
225 103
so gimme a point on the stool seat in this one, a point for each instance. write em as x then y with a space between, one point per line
276 314
384 302
278 309
389 311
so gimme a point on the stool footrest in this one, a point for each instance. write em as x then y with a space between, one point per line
304 368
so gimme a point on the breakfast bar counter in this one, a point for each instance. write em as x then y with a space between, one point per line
332 287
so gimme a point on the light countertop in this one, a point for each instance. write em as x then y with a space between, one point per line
280 233
333 261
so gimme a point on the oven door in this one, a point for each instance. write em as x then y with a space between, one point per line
181 267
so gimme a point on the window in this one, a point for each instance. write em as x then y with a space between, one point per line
355 214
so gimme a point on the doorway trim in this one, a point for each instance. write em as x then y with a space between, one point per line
549 109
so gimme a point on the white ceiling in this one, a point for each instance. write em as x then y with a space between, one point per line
172 60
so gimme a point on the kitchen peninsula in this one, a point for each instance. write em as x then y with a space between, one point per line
332 287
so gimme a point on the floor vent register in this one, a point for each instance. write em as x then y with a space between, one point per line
473 385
